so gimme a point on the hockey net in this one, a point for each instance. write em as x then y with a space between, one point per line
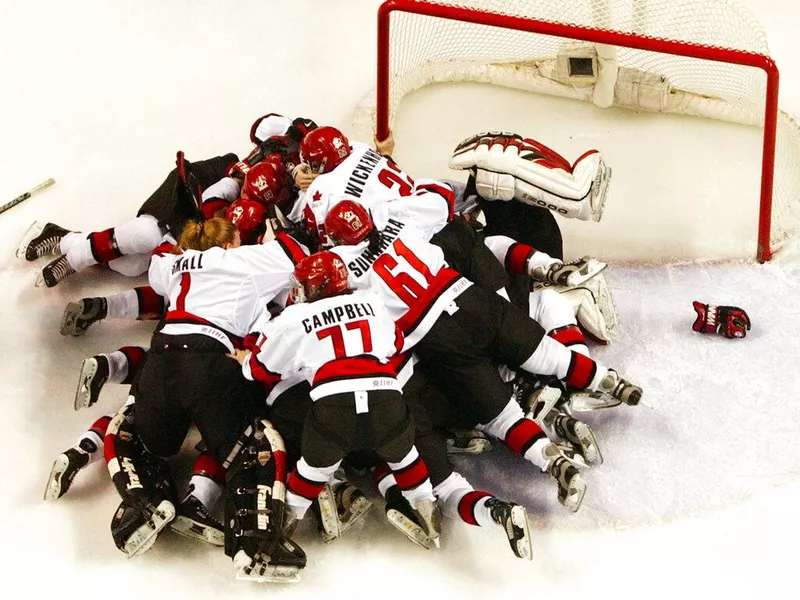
706 58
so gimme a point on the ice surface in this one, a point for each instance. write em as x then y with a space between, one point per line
698 495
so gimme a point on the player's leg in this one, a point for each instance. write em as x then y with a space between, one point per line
87 450
140 303
195 517
119 366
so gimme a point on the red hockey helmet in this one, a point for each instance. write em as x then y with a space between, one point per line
249 218
267 183
348 222
323 149
318 276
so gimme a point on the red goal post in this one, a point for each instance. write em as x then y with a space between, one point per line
679 56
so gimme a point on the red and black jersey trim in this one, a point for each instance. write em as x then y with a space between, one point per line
103 245
517 258
466 506
359 367
442 281
163 248
291 246
259 370
522 435
151 304
445 192
581 371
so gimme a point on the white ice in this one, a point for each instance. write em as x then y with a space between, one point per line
699 493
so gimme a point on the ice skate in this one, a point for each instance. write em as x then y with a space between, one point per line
78 316
283 565
599 191
467 441
135 529
580 435
94 374
55 272
613 391
43 244
429 518
540 404
194 521
400 514
513 518
571 488
338 508
65 467
571 273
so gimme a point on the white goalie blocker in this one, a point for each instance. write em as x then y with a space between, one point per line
509 167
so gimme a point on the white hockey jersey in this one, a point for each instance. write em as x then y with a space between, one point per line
338 344
369 178
409 274
221 293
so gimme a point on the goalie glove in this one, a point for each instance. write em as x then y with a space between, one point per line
728 321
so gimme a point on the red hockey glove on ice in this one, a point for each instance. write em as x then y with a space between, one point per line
729 321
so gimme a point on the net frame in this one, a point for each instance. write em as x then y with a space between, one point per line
609 37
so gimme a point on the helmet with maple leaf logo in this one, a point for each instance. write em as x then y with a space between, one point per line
348 222
324 149
267 183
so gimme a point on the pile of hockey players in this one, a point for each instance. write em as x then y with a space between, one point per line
321 313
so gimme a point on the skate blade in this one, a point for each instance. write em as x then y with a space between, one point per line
590 401
574 497
40 282
143 538
547 398
70 318
83 396
605 180
588 443
328 515
592 268
54 483
606 304
357 512
265 573
408 528
474 446
33 231
189 528
522 547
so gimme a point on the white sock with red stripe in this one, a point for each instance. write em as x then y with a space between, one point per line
91 442
520 434
123 305
576 370
459 500
304 485
411 475
383 478
572 337
207 481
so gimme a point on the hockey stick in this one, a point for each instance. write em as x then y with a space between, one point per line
21 198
